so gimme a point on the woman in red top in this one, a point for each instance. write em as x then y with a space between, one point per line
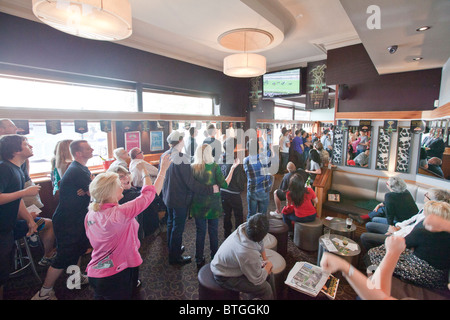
300 202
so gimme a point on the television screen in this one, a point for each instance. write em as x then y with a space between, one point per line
282 83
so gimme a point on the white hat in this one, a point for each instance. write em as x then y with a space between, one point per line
175 137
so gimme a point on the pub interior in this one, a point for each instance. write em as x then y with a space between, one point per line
383 107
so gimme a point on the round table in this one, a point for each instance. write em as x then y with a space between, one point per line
338 226
342 251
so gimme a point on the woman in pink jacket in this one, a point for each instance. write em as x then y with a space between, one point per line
113 233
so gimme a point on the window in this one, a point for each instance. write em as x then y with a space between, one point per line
281 113
40 94
302 115
179 104
44 143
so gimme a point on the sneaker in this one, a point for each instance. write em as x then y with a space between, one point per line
50 296
46 262
33 241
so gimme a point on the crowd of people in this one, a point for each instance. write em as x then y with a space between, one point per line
104 215
358 149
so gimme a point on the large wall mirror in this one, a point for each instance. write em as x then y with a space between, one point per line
434 153
358 147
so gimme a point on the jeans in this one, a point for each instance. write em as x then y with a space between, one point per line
231 203
289 218
258 202
381 212
284 161
375 235
176 220
213 233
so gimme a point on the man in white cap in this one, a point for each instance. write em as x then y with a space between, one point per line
179 186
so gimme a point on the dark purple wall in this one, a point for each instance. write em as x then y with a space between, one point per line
49 51
369 91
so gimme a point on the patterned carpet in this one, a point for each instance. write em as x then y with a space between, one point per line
161 281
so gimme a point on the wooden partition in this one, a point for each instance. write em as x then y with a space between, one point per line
321 185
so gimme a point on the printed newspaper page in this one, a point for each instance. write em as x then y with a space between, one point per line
307 278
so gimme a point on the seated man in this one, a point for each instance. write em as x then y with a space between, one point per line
241 263
122 157
280 194
46 234
137 157
378 232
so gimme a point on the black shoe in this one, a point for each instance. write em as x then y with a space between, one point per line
356 218
182 249
180 260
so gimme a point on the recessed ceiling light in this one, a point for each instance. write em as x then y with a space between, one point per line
417 59
424 28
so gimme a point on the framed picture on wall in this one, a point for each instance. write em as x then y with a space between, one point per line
132 140
156 140
384 141
403 150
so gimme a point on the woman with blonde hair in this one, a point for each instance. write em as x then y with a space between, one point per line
113 233
426 261
206 208
60 162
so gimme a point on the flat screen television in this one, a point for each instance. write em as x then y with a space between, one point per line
283 83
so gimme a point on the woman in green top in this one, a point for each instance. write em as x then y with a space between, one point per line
206 209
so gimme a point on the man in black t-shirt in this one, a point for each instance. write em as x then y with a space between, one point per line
68 219
14 151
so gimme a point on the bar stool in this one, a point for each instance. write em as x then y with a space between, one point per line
270 242
23 260
279 229
278 272
306 235
209 289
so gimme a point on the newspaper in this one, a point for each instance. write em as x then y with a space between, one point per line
307 278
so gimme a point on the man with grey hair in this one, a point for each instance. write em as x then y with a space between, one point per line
377 232
137 157
121 156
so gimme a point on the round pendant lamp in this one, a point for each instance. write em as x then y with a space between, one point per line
246 64
108 20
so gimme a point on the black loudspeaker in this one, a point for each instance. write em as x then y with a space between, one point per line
344 92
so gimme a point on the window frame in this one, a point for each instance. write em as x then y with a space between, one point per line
177 93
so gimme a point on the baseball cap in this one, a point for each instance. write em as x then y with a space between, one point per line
174 136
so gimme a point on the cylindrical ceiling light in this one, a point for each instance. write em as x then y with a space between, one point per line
108 20
244 65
